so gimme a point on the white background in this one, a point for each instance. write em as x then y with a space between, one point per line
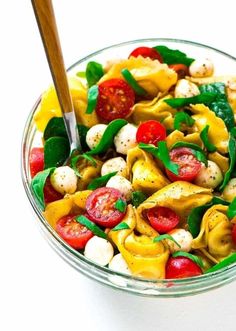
38 290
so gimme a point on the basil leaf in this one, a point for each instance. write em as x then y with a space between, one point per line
56 151
205 139
232 156
162 153
76 158
55 127
220 105
133 83
100 181
222 264
173 56
108 136
182 117
198 152
194 258
38 183
205 98
231 212
165 236
195 217
92 99
82 129
121 226
137 197
81 74
91 226
121 205
94 71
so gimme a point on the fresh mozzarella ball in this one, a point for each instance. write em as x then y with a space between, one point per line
99 250
209 177
95 134
183 238
64 180
185 89
201 68
118 263
229 192
122 184
115 164
125 138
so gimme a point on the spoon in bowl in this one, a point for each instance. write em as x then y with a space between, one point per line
45 17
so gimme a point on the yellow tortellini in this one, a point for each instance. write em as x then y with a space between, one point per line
144 172
153 76
88 172
177 135
221 160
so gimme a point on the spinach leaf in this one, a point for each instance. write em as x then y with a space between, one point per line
231 212
195 217
100 181
121 226
198 152
121 205
220 105
133 83
222 264
108 136
137 197
91 226
92 99
56 151
82 129
38 183
55 127
165 236
173 56
205 98
194 258
205 139
94 71
182 117
81 74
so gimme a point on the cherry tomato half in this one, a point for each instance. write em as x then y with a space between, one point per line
150 132
146 52
115 99
234 234
189 166
162 219
74 233
180 69
100 206
36 160
50 194
181 267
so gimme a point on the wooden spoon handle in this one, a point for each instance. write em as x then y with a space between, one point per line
44 14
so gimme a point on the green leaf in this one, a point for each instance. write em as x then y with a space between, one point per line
55 128
100 181
231 212
133 83
81 74
222 264
165 236
205 98
205 139
121 205
194 258
38 183
173 56
195 217
82 129
161 152
108 136
91 226
182 117
198 152
56 151
92 99
137 197
94 71
121 226
232 157
76 158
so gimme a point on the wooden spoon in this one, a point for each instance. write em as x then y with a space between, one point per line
44 14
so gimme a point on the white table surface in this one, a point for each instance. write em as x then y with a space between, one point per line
38 290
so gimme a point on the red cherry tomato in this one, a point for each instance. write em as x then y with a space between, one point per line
162 219
74 233
115 99
146 52
36 160
189 166
150 132
180 69
50 194
181 267
234 234
100 206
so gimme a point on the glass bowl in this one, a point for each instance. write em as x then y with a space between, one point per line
224 64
